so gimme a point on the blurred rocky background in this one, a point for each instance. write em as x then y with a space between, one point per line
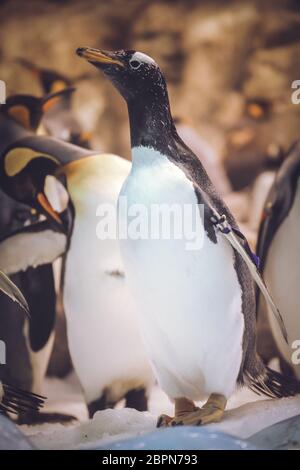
229 66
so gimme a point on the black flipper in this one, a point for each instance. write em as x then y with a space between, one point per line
15 400
38 287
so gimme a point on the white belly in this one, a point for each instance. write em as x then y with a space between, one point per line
190 301
103 332
282 275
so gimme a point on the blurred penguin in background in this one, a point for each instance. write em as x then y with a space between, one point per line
102 326
262 184
206 154
29 341
278 249
60 121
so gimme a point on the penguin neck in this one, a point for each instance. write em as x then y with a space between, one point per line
151 123
10 131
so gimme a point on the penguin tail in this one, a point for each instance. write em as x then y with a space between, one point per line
270 383
17 401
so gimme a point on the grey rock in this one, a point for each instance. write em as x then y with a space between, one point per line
284 435
11 437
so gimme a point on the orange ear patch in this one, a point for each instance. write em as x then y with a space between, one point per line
58 85
255 111
85 135
50 103
21 114
45 204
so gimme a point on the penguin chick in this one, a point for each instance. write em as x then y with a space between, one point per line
102 326
197 306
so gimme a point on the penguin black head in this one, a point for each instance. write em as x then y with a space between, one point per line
28 110
29 178
133 73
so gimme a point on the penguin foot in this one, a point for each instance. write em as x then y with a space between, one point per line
183 406
211 412
163 421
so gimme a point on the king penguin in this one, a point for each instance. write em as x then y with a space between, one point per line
13 400
28 341
197 306
61 121
102 323
277 248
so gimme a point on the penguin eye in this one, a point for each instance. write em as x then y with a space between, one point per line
135 64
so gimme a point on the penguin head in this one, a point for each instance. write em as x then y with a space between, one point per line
50 80
31 179
133 73
28 110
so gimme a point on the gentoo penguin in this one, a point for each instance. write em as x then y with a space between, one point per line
277 247
197 304
60 121
28 341
103 334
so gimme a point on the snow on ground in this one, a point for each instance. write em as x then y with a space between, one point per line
246 414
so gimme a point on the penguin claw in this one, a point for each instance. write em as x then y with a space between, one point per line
198 418
211 412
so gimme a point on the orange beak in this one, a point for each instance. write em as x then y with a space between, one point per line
46 206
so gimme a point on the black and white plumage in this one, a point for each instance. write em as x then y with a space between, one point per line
28 340
278 250
102 327
197 307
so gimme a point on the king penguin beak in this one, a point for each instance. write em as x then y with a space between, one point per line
46 208
97 57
